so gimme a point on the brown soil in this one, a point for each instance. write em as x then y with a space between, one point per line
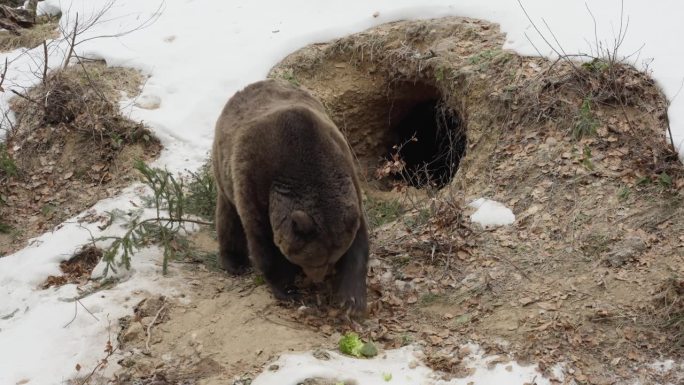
589 275
230 327
70 150
597 215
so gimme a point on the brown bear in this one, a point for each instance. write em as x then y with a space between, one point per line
288 193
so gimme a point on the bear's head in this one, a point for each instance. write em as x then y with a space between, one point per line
313 231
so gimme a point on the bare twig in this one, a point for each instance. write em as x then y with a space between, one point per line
521 271
45 64
72 44
93 86
26 97
97 18
86 309
548 43
2 77
77 302
596 39
110 350
149 327
75 314
667 119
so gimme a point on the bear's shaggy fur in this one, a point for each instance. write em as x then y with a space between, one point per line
288 194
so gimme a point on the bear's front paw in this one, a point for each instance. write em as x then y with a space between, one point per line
354 304
228 264
286 294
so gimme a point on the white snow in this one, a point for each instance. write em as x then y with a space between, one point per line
198 53
491 213
45 333
662 366
399 366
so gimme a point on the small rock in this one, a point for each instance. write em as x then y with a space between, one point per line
321 354
386 277
134 332
435 340
624 251
148 102
127 362
464 351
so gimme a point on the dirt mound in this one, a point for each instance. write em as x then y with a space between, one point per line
230 327
578 152
69 148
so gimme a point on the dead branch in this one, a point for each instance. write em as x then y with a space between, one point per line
99 17
72 45
77 302
90 80
149 327
548 43
45 64
25 97
2 77
110 350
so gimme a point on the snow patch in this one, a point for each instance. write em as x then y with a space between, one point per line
491 213
45 333
46 8
666 366
398 366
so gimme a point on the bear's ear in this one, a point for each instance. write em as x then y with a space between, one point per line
302 224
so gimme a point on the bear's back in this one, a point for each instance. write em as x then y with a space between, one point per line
264 98
278 130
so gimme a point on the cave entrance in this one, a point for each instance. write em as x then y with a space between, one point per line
426 138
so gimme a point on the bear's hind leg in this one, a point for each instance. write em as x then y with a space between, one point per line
233 255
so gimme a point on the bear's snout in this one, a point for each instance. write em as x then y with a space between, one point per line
316 274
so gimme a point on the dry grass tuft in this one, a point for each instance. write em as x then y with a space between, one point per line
70 147
81 100
669 309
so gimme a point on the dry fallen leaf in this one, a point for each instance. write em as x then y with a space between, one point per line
526 301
